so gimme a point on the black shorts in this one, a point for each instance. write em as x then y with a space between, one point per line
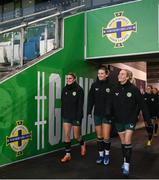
72 122
101 120
123 127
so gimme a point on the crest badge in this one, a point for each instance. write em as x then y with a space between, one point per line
107 90
19 138
74 93
119 29
129 94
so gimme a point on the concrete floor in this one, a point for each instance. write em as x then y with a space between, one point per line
145 163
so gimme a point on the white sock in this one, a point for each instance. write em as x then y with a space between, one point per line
68 154
126 166
101 153
106 152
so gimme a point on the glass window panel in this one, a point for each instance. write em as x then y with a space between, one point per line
0 12
28 7
8 11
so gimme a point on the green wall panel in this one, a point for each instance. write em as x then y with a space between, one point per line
140 15
19 99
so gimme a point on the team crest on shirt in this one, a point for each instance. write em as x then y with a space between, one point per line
74 93
107 90
131 126
152 99
129 94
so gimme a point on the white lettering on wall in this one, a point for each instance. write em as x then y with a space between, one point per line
54 113
40 98
90 123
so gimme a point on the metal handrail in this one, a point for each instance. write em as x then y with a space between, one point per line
25 24
12 29
57 14
27 16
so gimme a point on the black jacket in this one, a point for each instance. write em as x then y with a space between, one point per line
72 100
127 101
100 98
152 101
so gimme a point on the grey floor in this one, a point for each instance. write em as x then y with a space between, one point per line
145 163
